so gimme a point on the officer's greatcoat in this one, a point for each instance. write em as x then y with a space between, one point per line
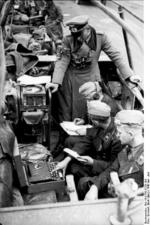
78 66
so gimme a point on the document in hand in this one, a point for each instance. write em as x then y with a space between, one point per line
74 155
71 128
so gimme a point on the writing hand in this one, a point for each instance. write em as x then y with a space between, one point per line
78 121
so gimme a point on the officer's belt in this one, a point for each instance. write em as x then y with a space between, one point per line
80 63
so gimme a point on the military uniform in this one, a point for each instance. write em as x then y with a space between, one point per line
126 165
129 162
53 21
102 145
79 64
93 90
112 103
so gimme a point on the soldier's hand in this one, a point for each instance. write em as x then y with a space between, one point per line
52 86
63 164
79 121
92 194
87 160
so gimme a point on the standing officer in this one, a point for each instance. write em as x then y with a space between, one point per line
79 64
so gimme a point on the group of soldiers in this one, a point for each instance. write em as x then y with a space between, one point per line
109 145
115 141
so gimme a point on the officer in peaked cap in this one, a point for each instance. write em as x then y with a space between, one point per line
79 64
77 23
78 20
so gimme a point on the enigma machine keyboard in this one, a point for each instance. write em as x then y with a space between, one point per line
43 171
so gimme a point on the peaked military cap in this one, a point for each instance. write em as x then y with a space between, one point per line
78 20
98 110
130 117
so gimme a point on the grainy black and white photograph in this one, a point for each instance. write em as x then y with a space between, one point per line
72 113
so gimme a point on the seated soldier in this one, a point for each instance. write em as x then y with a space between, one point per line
100 145
53 20
128 164
93 91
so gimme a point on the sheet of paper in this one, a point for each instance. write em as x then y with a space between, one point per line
30 80
71 128
47 58
75 155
